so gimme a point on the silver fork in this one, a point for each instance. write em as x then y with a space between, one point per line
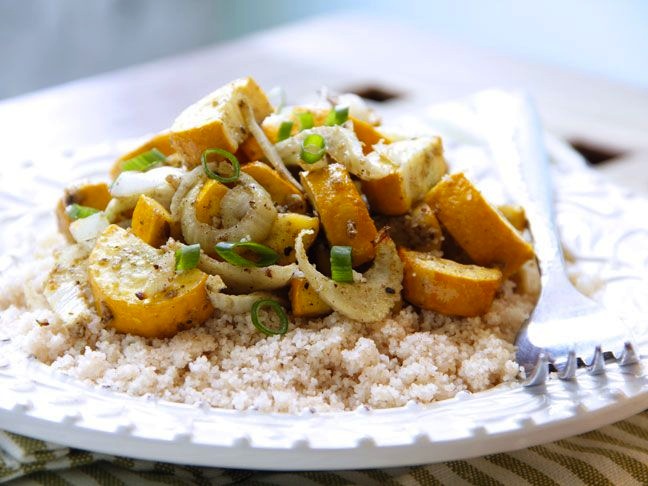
566 330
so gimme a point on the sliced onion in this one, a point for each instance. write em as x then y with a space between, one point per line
266 147
343 146
117 207
188 180
248 279
367 300
86 230
64 287
232 304
358 108
254 224
130 185
234 205
153 183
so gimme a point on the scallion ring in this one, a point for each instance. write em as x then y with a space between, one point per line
337 116
276 307
227 251
306 120
284 130
144 161
313 148
76 211
341 269
186 257
236 166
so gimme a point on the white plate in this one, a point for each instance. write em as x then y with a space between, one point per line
604 228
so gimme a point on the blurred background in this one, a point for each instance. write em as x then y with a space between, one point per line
48 42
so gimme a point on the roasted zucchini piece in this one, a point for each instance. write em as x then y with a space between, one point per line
515 215
161 142
137 290
418 165
305 302
217 120
284 231
477 227
342 212
151 222
208 201
93 195
368 134
283 193
448 287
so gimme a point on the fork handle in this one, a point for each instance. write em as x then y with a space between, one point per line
524 167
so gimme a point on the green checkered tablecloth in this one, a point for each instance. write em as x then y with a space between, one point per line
616 454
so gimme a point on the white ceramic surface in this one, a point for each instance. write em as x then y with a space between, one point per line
603 227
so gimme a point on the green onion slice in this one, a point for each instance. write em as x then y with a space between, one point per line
313 148
341 270
276 307
236 166
227 251
76 211
284 130
186 257
306 120
337 116
145 161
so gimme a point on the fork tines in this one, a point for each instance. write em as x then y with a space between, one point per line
567 371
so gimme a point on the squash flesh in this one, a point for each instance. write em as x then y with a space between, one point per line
122 267
418 165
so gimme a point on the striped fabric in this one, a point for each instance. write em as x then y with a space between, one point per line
613 455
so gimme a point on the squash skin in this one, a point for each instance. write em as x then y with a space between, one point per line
151 222
448 287
217 120
304 300
477 227
343 214
117 256
94 195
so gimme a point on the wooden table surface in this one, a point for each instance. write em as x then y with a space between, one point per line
342 52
